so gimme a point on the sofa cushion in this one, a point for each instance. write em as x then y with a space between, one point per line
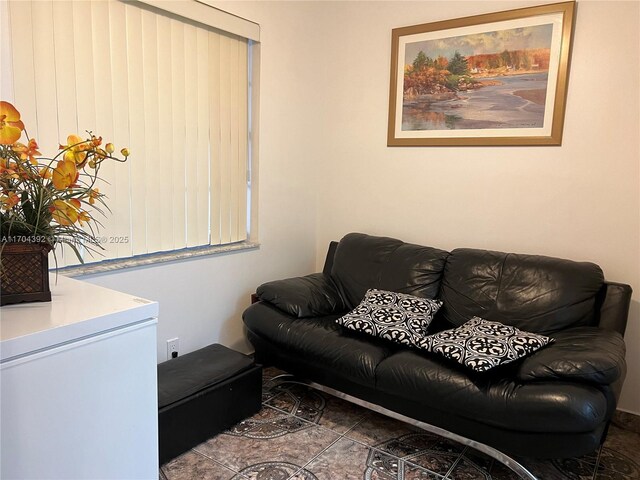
309 296
586 354
482 345
492 397
362 262
398 317
320 340
534 293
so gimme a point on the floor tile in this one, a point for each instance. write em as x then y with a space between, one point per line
620 456
474 465
499 471
375 428
315 406
192 465
413 472
424 450
269 373
617 465
625 442
627 421
478 458
268 423
349 460
269 436
437 462
408 445
275 470
619 459
467 470
562 469
487 464
298 400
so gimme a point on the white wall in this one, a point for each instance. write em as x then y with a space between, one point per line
325 81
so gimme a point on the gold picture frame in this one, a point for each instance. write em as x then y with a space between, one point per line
493 79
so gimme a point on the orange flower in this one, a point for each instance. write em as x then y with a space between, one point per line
83 217
65 212
9 200
8 168
45 172
27 151
10 125
94 193
65 174
76 149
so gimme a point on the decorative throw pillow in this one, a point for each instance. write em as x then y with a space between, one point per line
393 316
481 344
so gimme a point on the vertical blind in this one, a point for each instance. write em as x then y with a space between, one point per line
175 92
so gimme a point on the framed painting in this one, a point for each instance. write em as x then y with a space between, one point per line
493 79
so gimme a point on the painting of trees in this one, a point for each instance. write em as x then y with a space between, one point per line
429 76
458 64
426 75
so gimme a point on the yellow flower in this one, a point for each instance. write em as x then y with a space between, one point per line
65 174
125 152
76 149
110 148
10 125
65 212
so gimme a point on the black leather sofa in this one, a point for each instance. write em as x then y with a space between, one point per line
556 402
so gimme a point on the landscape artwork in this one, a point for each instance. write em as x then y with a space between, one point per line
488 80
495 79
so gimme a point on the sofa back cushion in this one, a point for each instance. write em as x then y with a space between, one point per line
362 262
531 292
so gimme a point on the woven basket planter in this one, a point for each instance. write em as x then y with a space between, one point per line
24 273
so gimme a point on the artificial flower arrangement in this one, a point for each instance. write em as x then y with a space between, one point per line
50 200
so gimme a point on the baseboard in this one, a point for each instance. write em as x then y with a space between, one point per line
627 421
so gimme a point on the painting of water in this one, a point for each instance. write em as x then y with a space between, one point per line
491 79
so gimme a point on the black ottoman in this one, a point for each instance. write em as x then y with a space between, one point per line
203 393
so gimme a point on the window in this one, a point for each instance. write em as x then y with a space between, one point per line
177 92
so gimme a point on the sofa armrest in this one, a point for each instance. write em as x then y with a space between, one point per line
310 296
614 309
588 354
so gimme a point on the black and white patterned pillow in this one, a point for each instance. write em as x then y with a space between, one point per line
398 317
481 344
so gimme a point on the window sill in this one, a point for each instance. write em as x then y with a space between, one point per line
154 259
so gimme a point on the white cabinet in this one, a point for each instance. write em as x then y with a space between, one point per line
78 390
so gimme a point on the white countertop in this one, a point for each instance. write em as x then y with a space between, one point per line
77 310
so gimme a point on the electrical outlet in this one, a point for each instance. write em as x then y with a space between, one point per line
172 348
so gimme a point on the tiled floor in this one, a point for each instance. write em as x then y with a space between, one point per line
302 434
